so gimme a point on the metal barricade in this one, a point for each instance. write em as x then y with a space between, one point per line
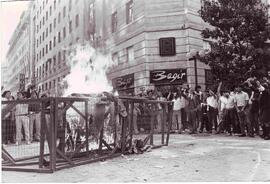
76 131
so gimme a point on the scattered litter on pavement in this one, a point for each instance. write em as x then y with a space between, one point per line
159 166
103 162
124 156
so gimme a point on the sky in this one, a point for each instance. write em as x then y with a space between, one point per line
10 13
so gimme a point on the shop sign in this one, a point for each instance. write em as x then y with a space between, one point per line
171 76
124 82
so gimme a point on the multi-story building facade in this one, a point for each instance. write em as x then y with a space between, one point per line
59 24
18 55
150 40
4 76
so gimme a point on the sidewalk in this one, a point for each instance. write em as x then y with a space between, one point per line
199 158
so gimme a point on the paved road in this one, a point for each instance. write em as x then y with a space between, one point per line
187 158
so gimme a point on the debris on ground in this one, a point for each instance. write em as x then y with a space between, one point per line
159 166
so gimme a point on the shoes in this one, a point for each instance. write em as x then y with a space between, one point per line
242 135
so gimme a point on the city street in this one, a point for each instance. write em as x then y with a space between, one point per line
200 158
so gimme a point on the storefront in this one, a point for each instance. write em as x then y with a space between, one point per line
124 84
168 79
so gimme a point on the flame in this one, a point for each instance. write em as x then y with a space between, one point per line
88 71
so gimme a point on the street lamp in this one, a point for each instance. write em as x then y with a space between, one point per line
194 55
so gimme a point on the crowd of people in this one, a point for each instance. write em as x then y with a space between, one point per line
19 122
243 110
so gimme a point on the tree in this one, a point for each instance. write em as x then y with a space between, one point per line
239 31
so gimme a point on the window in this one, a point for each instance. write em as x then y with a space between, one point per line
59 36
46 32
129 12
40 54
54 22
50 85
54 41
59 17
130 54
64 32
115 58
50 28
43 5
64 56
54 4
40 25
77 20
206 45
54 60
59 1
64 11
43 20
46 48
50 10
40 39
70 5
37 28
43 52
46 15
46 86
37 57
37 43
70 26
54 83
50 45
43 36
59 58
114 22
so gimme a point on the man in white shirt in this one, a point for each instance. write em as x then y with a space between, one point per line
177 113
241 101
212 109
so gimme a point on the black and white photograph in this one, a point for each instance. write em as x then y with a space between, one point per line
135 91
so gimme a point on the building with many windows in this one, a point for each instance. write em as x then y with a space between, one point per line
59 24
18 55
149 41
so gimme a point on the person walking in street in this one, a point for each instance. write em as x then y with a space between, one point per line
241 103
22 120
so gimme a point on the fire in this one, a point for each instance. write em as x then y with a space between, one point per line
87 71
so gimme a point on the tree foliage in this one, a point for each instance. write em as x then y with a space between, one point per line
238 30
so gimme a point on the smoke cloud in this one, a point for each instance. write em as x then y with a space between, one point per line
88 71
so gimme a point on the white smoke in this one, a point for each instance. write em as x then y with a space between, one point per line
87 71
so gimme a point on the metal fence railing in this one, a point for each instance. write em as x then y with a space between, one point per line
71 131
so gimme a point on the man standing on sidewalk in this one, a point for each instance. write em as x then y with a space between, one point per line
241 102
